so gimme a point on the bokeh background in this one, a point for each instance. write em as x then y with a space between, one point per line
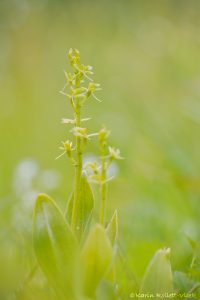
146 55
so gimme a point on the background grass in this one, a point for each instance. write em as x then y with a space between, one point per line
146 56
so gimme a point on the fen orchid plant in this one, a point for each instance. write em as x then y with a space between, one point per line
75 255
76 251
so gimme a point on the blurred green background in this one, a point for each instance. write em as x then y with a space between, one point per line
146 55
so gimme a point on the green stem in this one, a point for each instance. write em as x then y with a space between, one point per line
103 185
78 168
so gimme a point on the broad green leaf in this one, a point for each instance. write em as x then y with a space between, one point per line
158 277
96 259
106 291
182 282
112 228
85 206
55 247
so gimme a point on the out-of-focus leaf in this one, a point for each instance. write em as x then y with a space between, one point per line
192 243
195 273
158 277
96 259
182 283
106 291
85 206
112 228
55 247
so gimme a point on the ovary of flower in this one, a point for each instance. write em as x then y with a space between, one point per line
103 135
84 70
82 92
67 147
114 153
70 78
79 93
93 167
93 87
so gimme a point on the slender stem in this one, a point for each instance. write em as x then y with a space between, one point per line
78 168
103 184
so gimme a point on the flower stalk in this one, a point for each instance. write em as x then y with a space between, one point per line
78 167
102 139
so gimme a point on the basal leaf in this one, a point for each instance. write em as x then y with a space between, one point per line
182 282
96 259
55 247
112 228
85 206
158 277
